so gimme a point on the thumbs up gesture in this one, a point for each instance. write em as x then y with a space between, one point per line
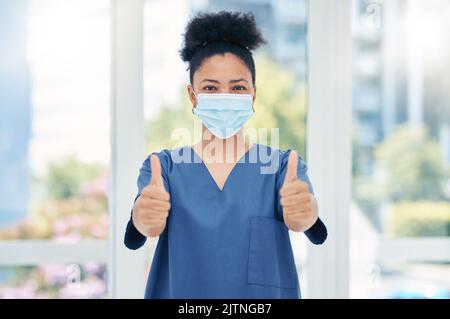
151 209
299 206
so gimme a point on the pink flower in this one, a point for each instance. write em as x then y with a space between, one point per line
72 237
26 291
54 274
59 228
95 269
93 289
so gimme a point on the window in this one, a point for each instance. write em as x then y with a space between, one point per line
400 213
54 144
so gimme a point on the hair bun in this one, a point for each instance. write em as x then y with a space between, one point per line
235 27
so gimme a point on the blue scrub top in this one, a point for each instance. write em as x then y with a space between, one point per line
229 243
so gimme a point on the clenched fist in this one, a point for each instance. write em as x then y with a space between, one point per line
152 207
300 210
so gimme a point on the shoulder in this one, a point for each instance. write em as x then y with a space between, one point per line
168 157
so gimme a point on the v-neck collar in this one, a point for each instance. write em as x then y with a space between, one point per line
211 177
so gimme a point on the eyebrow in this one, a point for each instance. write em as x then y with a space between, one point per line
231 81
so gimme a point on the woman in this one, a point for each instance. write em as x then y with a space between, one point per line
223 225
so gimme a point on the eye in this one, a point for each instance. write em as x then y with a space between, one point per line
209 88
239 88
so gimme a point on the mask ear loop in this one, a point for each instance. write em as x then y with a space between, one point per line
253 108
196 97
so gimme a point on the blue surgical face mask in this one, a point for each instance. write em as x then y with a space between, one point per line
224 114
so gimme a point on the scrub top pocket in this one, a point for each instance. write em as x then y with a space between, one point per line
270 258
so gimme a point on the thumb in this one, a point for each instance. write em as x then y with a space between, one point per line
156 171
291 173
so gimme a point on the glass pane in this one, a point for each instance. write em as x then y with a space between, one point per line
54 124
401 171
280 76
54 281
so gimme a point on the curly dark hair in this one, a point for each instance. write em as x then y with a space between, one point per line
208 34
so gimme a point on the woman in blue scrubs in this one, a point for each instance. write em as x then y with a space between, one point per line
223 208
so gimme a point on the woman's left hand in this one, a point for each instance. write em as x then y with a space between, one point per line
300 209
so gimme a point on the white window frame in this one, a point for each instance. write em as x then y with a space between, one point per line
127 275
329 151
126 268
329 124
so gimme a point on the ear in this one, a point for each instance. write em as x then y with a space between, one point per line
191 95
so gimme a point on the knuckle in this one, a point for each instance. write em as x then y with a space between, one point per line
148 213
143 200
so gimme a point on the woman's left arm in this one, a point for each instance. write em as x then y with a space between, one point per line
299 205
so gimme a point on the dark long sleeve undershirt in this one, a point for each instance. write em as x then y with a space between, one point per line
317 234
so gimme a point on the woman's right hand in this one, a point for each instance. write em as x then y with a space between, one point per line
152 207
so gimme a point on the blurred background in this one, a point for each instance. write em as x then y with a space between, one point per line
55 128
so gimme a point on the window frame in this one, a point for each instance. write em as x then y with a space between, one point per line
329 146
125 268
329 150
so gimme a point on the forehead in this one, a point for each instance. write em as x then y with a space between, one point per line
222 68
